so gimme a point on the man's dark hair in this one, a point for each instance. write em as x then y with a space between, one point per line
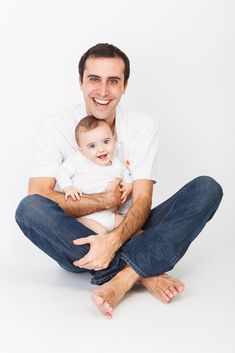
104 50
86 124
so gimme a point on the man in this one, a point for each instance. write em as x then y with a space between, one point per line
116 260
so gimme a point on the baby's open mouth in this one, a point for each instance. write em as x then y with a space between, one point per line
103 156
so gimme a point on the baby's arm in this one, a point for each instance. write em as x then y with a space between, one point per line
64 177
126 184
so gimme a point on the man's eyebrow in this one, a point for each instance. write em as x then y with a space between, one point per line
91 75
110 77
115 78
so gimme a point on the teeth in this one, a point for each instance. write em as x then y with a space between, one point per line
99 101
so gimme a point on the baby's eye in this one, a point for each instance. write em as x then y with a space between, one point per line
92 145
106 142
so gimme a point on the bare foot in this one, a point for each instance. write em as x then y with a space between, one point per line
163 287
110 293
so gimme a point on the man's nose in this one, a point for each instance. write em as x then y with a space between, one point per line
103 89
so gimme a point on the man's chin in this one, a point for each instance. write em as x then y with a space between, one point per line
102 115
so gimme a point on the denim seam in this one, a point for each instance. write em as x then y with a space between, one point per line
164 267
130 263
52 242
173 260
106 278
54 204
101 281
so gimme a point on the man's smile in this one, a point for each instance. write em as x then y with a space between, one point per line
99 101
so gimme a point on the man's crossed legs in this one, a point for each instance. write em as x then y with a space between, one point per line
166 236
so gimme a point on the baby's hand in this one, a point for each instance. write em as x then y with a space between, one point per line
126 189
73 192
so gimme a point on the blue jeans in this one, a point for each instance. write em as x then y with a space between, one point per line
167 234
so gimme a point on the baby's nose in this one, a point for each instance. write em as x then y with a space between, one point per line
100 147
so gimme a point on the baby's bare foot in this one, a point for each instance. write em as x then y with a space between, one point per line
163 287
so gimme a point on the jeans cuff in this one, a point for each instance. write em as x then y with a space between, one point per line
131 264
102 280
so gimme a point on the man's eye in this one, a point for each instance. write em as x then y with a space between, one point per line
114 82
91 146
106 142
94 79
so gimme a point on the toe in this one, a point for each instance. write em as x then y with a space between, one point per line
108 315
169 293
97 299
180 288
107 310
173 291
103 308
107 307
165 299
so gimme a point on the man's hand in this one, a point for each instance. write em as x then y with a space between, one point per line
101 253
113 195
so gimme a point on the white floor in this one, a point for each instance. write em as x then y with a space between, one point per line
46 309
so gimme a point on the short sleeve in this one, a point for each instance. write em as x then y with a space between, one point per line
144 152
47 154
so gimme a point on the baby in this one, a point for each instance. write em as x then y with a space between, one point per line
92 170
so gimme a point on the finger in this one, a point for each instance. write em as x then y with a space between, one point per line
87 265
123 200
124 194
86 262
81 241
73 197
66 197
77 196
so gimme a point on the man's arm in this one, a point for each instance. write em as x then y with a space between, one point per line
104 246
110 199
138 213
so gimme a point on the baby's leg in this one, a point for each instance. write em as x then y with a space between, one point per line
118 219
93 225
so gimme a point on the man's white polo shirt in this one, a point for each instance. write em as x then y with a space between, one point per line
136 142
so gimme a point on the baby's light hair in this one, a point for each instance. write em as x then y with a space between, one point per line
86 124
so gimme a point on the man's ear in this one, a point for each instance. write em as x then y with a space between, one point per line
80 82
125 86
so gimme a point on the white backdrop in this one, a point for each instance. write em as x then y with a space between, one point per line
182 55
